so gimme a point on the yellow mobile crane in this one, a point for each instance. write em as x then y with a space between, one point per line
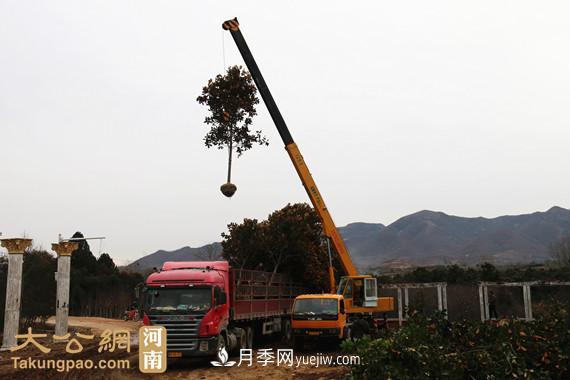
352 310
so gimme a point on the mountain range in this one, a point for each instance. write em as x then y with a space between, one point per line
428 238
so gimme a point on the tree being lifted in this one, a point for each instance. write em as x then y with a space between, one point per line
231 100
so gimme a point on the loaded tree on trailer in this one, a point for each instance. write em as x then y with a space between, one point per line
358 304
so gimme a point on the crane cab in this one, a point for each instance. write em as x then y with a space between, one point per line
361 295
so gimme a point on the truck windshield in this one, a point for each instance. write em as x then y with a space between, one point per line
168 300
325 308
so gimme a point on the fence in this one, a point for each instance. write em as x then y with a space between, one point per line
484 302
404 289
462 301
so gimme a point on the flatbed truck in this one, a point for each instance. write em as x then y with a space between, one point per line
209 306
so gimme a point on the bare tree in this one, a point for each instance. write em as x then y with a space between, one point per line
210 252
560 251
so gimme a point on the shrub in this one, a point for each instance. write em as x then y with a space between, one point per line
432 347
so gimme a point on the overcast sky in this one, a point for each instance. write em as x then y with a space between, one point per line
397 106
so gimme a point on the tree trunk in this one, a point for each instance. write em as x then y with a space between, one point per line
230 148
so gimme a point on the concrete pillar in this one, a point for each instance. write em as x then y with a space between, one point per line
16 248
444 297
63 250
527 302
439 298
400 311
482 303
486 300
406 301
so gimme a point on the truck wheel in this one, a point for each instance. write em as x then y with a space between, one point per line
221 343
298 343
358 329
242 339
287 332
249 337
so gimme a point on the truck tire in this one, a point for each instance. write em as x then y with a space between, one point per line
221 343
249 337
242 339
358 329
287 332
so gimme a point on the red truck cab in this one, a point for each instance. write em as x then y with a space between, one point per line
191 300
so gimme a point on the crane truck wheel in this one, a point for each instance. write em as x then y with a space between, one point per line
358 329
298 343
287 331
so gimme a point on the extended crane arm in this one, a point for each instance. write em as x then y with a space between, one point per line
329 227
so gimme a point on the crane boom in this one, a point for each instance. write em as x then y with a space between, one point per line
329 228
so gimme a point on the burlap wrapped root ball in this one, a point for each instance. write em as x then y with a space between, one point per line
228 189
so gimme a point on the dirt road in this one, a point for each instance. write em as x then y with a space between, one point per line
179 369
98 325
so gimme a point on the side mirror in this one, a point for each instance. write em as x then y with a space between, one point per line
342 307
223 298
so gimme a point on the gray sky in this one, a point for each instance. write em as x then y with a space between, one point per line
397 106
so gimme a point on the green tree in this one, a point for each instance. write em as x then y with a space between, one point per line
242 244
97 287
231 99
38 286
289 241
489 272
105 265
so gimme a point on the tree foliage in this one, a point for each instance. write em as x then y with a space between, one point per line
455 274
433 348
38 286
289 241
231 100
97 286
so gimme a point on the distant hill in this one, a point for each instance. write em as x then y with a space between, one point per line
433 238
209 252
426 238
